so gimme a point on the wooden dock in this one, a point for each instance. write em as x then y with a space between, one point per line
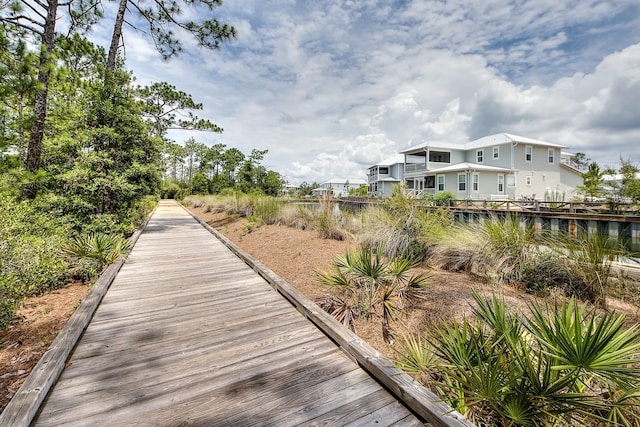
190 334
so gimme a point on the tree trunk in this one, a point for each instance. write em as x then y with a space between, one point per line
115 38
34 151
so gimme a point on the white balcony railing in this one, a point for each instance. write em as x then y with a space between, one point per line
415 167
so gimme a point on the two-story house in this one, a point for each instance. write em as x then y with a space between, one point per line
338 187
495 167
384 175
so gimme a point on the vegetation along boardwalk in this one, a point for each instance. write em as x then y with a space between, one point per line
190 334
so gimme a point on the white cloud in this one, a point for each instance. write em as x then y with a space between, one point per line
332 87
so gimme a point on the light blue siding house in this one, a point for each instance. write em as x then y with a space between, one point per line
495 167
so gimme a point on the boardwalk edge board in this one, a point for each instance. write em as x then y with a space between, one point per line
418 398
25 404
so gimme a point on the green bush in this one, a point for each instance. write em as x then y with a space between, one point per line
172 191
30 261
560 366
444 198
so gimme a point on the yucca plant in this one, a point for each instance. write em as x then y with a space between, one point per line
561 366
373 285
95 251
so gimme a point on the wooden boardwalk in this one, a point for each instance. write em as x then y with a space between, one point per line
188 334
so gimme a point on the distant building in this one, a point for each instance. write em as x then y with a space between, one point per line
494 167
384 175
338 187
289 189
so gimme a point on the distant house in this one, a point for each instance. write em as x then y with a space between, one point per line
289 189
501 166
384 175
338 187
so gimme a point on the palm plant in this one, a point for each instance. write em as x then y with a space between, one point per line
368 284
95 251
560 366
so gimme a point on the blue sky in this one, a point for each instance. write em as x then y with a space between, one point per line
331 87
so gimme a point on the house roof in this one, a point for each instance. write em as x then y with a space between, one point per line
503 138
486 141
389 161
465 166
342 181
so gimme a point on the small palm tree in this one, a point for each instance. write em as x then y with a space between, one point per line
96 251
368 285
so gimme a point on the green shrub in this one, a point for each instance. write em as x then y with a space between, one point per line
444 198
92 253
172 191
367 284
560 366
9 290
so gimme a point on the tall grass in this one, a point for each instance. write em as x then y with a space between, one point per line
403 227
592 256
499 248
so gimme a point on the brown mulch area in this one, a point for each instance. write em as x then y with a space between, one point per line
24 341
295 255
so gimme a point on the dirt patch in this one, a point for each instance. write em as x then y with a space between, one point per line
37 323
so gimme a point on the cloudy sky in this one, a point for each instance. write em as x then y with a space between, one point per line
331 87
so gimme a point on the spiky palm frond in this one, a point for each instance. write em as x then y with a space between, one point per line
340 308
595 347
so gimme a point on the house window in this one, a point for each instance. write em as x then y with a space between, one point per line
440 183
430 181
511 180
528 153
462 182
527 180
496 153
500 184
479 156
552 154
440 156
383 171
476 182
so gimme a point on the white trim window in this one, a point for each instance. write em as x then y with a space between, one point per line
462 182
511 180
496 153
475 182
480 156
440 183
551 155
501 183
528 153
527 180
